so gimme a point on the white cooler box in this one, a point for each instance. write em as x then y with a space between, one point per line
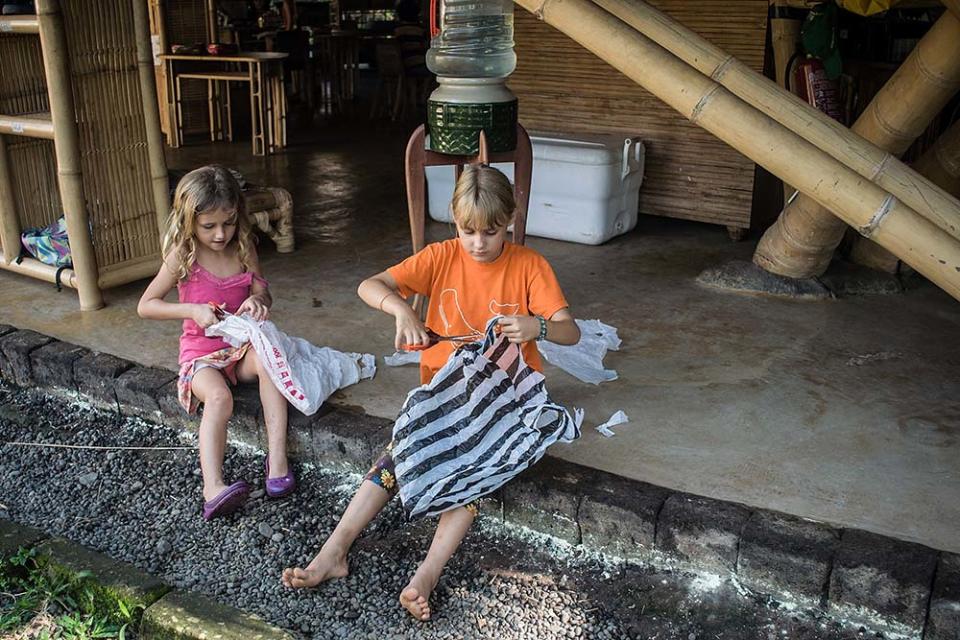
583 190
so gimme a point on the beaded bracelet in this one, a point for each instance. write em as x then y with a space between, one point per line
543 328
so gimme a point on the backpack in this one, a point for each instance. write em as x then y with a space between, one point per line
49 244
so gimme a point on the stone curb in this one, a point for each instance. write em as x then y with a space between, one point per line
169 614
883 582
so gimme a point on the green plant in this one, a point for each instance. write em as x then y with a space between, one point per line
39 602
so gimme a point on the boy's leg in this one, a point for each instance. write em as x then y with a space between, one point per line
274 412
331 561
211 389
450 532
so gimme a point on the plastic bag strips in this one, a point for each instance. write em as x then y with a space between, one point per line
584 360
306 374
484 418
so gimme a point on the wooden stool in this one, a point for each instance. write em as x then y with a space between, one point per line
418 159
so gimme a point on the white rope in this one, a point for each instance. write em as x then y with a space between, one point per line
54 445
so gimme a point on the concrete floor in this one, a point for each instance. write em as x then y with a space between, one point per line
845 411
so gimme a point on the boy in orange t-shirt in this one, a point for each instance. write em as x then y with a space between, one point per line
470 279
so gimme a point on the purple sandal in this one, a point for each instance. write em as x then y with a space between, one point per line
228 501
278 487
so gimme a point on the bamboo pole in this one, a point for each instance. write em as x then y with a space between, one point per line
129 272
151 113
952 5
784 37
789 110
54 42
860 203
36 269
9 218
802 242
941 164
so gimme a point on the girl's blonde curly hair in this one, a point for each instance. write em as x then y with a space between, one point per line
209 188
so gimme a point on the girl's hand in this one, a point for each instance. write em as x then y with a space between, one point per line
254 307
519 329
203 315
410 330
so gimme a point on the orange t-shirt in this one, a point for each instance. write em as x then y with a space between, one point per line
465 294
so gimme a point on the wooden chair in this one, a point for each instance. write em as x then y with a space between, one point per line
391 80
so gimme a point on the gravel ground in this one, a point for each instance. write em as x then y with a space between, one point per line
144 507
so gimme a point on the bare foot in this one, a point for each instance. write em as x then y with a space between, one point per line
278 465
212 491
415 598
328 564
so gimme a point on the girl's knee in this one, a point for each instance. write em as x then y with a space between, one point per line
219 400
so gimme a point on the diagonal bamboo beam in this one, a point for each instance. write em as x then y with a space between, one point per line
952 5
864 157
873 211
802 241
941 164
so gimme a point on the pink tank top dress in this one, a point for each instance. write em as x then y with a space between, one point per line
202 287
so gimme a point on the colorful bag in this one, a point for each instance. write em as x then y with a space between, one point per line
49 244
484 418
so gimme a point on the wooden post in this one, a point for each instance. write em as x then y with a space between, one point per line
861 203
952 5
941 164
151 113
789 110
67 146
9 218
802 242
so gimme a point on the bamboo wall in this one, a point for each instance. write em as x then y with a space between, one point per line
563 88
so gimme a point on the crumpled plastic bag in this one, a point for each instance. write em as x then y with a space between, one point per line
401 358
306 374
584 360
617 418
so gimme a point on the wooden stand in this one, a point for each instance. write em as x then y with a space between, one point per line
418 158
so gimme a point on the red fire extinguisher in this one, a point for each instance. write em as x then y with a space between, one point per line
811 83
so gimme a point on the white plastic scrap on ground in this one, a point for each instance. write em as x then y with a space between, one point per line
584 360
400 358
618 418
306 374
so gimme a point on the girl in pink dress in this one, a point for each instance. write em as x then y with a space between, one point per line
210 258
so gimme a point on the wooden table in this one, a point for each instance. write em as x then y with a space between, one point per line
262 72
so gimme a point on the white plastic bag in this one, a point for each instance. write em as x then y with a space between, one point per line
306 375
584 360
401 358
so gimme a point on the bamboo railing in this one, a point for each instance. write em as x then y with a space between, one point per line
862 204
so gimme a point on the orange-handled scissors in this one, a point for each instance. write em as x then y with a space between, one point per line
433 338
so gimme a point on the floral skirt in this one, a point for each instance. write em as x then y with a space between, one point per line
225 360
384 475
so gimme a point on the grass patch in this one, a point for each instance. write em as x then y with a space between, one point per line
40 603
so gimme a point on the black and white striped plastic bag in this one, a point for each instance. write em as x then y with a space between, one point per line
484 418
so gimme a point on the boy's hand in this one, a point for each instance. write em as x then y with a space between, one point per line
254 307
520 329
410 330
203 315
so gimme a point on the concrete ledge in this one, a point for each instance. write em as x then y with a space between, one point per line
619 516
874 576
943 619
138 391
53 365
114 580
702 532
190 616
96 375
14 536
787 556
880 580
15 348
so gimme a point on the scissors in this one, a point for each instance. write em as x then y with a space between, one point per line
433 338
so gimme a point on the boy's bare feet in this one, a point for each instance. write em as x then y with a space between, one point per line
330 563
415 598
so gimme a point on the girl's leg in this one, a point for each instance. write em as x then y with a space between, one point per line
331 561
211 389
274 412
450 532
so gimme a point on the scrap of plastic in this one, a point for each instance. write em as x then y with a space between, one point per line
584 360
400 358
618 418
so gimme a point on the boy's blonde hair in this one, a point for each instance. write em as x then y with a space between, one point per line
206 189
483 198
